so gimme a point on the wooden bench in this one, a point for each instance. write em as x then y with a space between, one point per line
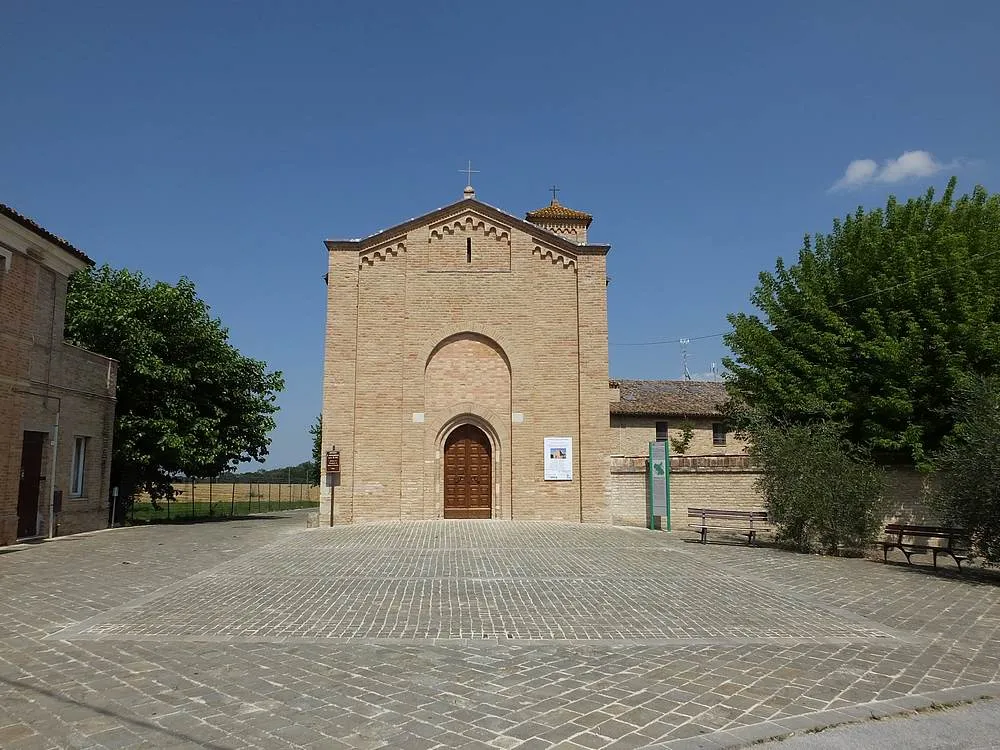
728 519
956 542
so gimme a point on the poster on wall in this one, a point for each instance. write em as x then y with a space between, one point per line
558 459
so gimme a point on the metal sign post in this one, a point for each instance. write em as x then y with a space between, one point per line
658 483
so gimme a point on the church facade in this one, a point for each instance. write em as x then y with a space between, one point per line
466 369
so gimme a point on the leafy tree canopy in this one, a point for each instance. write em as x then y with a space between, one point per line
877 323
188 402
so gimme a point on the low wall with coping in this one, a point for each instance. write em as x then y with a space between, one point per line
730 482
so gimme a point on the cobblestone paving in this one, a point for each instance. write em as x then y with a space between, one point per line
466 634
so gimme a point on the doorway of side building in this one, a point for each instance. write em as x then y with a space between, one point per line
32 447
468 474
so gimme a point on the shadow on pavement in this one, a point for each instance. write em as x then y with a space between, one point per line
106 712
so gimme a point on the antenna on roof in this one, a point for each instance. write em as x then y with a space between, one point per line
714 373
684 357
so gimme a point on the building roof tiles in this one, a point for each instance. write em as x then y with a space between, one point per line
41 231
670 398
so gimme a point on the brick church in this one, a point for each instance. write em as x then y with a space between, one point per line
466 376
466 368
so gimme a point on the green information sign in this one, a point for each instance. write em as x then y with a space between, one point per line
658 482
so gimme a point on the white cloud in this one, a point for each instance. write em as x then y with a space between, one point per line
858 172
908 165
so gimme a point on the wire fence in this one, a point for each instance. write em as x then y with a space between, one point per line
206 498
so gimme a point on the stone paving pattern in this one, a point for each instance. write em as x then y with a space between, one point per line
481 634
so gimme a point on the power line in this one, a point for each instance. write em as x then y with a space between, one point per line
860 297
673 341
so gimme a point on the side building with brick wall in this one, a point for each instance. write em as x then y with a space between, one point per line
709 466
714 470
57 401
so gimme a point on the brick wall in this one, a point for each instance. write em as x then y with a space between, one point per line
42 381
907 498
695 481
728 482
631 436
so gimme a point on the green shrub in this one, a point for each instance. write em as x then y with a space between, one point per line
822 493
967 488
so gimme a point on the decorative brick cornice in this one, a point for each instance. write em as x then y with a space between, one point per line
566 260
468 222
393 248
740 464
711 463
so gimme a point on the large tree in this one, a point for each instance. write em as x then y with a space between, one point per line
188 402
877 323
315 468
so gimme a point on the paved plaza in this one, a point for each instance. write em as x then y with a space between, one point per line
472 634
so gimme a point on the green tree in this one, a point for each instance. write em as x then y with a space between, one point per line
683 442
967 485
822 493
877 323
188 402
316 430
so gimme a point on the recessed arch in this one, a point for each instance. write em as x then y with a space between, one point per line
470 336
458 429
494 337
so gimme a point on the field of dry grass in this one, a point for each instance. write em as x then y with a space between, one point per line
211 499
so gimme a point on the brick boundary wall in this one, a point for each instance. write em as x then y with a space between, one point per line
729 482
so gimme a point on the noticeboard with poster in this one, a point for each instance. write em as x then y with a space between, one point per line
558 459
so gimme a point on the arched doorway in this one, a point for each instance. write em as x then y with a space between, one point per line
468 474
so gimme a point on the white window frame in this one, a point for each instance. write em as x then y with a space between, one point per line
78 477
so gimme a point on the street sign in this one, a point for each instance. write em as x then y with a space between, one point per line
659 482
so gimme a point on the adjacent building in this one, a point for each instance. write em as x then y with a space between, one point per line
57 401
686 413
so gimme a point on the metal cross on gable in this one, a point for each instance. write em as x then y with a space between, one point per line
554 190
469 172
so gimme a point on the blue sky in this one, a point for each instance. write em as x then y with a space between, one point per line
224 141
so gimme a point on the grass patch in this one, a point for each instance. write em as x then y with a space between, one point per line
180 510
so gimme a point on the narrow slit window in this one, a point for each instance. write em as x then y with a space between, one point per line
468 249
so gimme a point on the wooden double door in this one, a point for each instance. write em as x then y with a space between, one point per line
468 474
